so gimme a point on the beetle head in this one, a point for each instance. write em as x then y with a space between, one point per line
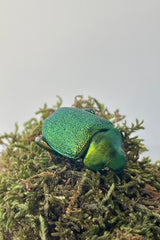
105 150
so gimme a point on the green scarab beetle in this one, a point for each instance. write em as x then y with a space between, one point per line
77 133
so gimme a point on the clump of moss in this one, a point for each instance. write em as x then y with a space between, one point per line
45 197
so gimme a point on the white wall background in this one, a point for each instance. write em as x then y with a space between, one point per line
106 49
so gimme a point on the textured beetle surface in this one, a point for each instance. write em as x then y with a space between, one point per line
76 133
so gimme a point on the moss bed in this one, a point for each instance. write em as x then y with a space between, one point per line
46 197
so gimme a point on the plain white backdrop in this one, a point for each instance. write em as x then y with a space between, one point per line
109 50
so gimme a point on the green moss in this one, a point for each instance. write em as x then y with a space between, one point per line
44 197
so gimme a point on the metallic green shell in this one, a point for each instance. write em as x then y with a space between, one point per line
69 130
